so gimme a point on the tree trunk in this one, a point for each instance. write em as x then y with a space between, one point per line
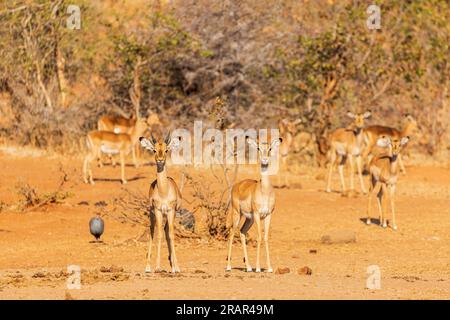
63 84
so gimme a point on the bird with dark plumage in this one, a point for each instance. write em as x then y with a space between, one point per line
96 226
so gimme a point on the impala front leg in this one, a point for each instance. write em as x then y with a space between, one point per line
160 235
341 172
258 241
266 241
173 256
150 242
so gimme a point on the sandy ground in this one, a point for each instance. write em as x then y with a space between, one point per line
36 247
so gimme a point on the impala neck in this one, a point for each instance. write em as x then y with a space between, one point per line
162 182
288 136
265 182
358 132
393 163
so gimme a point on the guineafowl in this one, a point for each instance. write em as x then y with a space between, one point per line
96 226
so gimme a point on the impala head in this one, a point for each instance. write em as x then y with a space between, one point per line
289 126
160 148
394 145
264 150
359 118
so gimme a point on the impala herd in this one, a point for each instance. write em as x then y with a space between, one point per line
378 148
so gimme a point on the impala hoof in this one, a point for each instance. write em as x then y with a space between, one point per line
148 269
228 268
368 221
269 270
124 181
249 269
394 227
258 270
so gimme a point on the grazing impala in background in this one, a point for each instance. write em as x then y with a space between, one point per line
165 200
383 170
254 201
111 143
347 143
372 133
120 124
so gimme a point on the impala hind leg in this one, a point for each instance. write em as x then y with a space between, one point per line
112 159
122 167
359 168
341 172
235 223
87 171
247 224
392 200
382 206
330 169
374 188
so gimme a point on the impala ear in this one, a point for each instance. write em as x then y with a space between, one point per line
383 142
367 114
404 140
251 142
351 115
146 144
276 142
174 143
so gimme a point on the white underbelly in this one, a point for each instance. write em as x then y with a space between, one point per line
356 151
340 149
105 149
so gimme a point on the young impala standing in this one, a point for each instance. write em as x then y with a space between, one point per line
384 174
347 143
372 133
165 200
119 124
111 143
254 201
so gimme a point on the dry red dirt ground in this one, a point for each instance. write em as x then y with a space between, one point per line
37 246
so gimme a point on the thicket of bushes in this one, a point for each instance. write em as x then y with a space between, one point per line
309 59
